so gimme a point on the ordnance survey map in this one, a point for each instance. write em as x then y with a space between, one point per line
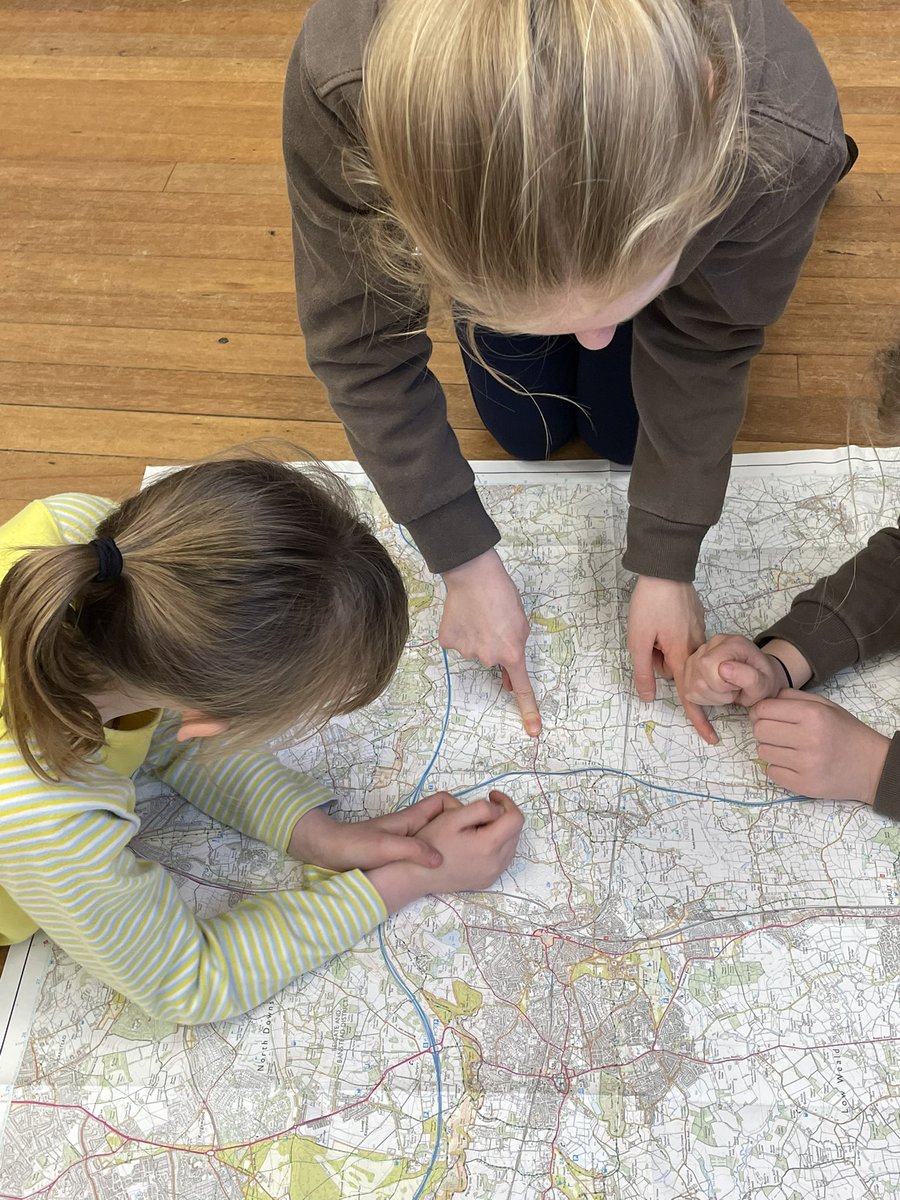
685 986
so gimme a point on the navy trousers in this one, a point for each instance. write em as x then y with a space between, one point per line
560 391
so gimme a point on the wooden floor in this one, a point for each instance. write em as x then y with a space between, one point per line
146 303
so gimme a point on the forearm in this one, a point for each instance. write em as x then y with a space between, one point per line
693 347
681 467
365 339
252 791
311 834
124 920
851 615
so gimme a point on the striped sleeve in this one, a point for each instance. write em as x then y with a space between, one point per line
64 859
78 514
252 792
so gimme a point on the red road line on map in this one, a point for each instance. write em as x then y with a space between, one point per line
499 999
82 1162
735 937
210 1151
706 1062
715 1062
658 944
546 798
555 1139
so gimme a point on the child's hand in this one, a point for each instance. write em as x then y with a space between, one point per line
477 842
815 748
345 845
730 669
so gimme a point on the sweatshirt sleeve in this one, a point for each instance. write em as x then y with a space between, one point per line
887 795
65 860
851 615
365 340
693 347
251 791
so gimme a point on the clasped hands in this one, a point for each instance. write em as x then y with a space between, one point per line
462 847
810 746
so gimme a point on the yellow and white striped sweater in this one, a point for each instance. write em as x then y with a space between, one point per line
65 865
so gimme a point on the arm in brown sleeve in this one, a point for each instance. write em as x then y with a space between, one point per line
851 615
365 341
887 795
692 352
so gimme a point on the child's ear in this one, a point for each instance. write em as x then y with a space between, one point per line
198 725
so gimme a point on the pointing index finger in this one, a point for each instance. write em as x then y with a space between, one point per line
644 676
520 684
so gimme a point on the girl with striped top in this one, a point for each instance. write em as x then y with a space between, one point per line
233 600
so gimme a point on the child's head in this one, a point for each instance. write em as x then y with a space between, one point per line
538 157
250 592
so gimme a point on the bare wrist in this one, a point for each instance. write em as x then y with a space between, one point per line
399 884
473 566
309 834
793 664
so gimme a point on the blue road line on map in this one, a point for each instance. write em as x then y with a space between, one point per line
416 793
433 1049
395 974
657 787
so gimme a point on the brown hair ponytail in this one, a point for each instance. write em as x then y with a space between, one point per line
48 667
251 591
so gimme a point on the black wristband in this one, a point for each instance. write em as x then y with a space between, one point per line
787 673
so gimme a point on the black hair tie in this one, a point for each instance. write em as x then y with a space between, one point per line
109 560
787 673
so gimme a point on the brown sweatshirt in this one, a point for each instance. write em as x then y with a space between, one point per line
692 345
847 617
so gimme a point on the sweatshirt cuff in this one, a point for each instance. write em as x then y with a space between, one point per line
368 908
455 533
289 808
821 637
662 548
887 795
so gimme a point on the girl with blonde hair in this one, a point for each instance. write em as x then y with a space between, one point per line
617 197
235 599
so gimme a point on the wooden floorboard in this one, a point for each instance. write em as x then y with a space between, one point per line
146 292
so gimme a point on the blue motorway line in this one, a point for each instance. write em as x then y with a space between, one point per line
435 1057
395 975
656 787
